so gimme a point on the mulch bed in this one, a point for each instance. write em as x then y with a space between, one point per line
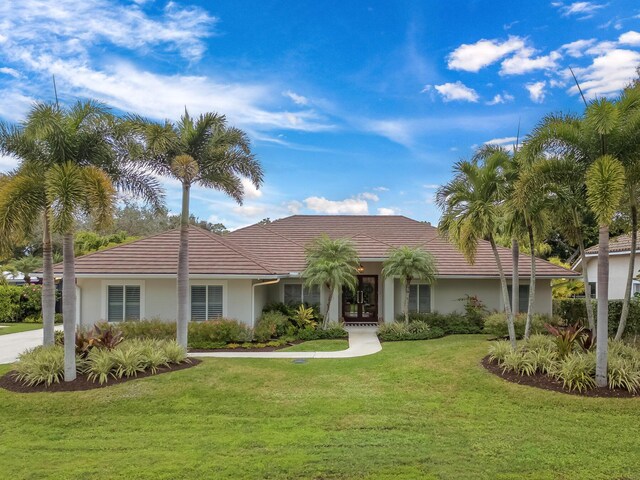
82 382
545 382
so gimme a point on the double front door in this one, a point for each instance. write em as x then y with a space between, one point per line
361 305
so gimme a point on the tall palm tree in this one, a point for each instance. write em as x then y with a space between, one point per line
203 151
471 205
410 264
332 264
605 187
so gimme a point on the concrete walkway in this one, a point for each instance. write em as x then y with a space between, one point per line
362 341
13 344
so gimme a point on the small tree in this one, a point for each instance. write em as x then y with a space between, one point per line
331 264
410 264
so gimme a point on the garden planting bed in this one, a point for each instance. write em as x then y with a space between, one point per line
82 382
247 349
546 382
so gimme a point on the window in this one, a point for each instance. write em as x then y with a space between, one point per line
123 302
295 294
593 289
420 298
206 302
523 304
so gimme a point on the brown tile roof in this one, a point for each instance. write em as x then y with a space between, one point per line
278 248
616 244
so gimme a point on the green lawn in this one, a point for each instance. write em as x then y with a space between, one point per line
18 327
415 410
319 346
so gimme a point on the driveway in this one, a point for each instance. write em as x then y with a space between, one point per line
13 344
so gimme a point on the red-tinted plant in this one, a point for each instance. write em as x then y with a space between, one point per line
565 337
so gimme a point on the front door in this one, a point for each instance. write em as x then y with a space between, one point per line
361 305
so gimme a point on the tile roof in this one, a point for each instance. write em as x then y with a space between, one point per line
616 244
279 248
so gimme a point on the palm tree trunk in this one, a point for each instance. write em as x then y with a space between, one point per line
631 273
69 307
602 335
532 282
505 293
325 320
407 292
183 271
48 284
515 278
587 285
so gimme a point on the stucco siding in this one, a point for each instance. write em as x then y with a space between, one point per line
618 270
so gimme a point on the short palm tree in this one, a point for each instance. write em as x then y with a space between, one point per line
331 264
203 151
605 187
471 205
410 264
27 265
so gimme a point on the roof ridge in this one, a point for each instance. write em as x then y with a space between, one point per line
374 238
265 227
240 251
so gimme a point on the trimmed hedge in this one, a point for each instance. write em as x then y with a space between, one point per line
451 323
496 324
575 310
401 331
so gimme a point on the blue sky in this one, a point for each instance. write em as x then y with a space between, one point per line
353 107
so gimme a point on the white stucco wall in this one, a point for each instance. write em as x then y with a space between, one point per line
618 270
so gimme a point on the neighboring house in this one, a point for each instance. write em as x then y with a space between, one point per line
619 255
237 274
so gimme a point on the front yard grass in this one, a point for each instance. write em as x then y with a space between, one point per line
319 346
18 327
423 409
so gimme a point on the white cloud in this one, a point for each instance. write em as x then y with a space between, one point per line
602 47
608 73
506 142
7 162
297 99
381 189
250 191
350 206
250 210
369 196
386 211
456 91
473 57
294 207
10 71
630 38
73 26
536 91
501 98
523 62
13 104
577 49
431 186
583 9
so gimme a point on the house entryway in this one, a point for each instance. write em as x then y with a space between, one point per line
361 306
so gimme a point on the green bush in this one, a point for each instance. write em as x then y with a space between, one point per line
577 371
399 331
154 328
451 323
334 331
520 361
496 324
623 373
10 309
99 365
40 365
271 324
575 310
499 350
222 331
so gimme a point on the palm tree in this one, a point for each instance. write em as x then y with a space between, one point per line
410 264
471 205
26 265
332 264
605 186
205 152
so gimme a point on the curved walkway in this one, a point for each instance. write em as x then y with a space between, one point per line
13 344
362 341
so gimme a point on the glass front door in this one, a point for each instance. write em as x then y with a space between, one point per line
361 305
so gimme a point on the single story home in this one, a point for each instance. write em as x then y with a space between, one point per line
619 257
237 274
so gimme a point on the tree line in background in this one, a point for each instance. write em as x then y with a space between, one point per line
74 161
570 172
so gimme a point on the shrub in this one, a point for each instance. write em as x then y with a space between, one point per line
10 303
399 331
304 317
100 365
496 324
577 371
127 360
152 352
499 350
271 324
221 331
152 328
574 310
451 323
41 365
566 338
623 373
174 352
521 362
333 331
538 342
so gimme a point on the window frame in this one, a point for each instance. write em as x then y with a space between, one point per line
209 283
521 308
417 285
122 283
302 291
